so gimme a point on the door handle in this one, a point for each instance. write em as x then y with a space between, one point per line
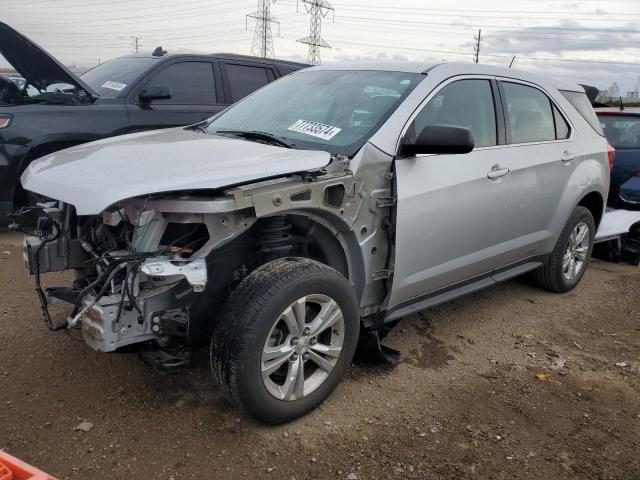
497 172
567 157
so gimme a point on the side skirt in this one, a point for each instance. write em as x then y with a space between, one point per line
464 288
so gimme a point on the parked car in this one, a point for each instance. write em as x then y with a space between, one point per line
19 81
318 210
622 129
128 94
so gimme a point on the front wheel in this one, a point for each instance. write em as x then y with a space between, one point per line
286 338
568 261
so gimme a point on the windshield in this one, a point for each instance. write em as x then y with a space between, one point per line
621 131
335 111
110 78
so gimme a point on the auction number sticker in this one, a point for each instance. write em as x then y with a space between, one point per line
315 129
117 86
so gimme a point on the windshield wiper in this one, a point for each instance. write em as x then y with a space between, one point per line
257 135
200 126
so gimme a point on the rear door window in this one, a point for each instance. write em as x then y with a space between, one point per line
245 79
530 114
463 103
191 83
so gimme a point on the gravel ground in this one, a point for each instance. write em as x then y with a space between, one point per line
512 382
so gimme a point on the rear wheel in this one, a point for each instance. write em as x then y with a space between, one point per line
286 338
569 260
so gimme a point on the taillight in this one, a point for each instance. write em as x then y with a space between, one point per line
611 152
5 120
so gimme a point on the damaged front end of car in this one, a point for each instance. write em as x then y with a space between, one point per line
139 266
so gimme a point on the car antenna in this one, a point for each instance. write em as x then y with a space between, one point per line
159 52
621 105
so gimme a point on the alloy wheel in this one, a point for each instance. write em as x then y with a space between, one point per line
302 348
575 256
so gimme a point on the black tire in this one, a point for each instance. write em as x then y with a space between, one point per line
248 317
550 276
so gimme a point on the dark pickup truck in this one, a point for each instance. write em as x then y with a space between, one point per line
56 109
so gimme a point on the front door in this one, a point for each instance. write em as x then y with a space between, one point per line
194 97
452 209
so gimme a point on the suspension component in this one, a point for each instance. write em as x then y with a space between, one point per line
275 239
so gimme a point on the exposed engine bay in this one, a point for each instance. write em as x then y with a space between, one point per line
55 94
156 269
137 269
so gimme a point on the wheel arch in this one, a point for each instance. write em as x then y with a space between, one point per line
336 240
593 201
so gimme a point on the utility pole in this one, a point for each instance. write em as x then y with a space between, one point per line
262 45
136 43
317 9
476 48
478 39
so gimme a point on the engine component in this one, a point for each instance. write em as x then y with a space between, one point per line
194 272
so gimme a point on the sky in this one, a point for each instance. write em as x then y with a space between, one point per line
587 41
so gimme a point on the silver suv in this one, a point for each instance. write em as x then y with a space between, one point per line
316 212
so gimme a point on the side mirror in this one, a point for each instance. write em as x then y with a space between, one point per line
439 139
155 92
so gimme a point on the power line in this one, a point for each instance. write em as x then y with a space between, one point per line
463 33
117 21
546 30
262 38
467 54
317 9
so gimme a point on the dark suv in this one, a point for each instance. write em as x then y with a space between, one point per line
622 128
57 109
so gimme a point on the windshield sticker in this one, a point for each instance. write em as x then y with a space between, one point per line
315 129
117 86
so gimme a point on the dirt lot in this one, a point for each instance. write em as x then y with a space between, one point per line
464 403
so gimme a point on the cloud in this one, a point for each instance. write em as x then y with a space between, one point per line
562 39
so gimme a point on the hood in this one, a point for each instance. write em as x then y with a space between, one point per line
34 64
95 175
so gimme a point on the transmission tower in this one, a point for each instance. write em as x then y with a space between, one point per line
262 45
317 9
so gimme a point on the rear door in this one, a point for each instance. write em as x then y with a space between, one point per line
195 96
543 159
452 209
243 78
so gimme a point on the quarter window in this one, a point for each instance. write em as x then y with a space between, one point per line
245 79
581 103
191 83
530 114
464 103
562 127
